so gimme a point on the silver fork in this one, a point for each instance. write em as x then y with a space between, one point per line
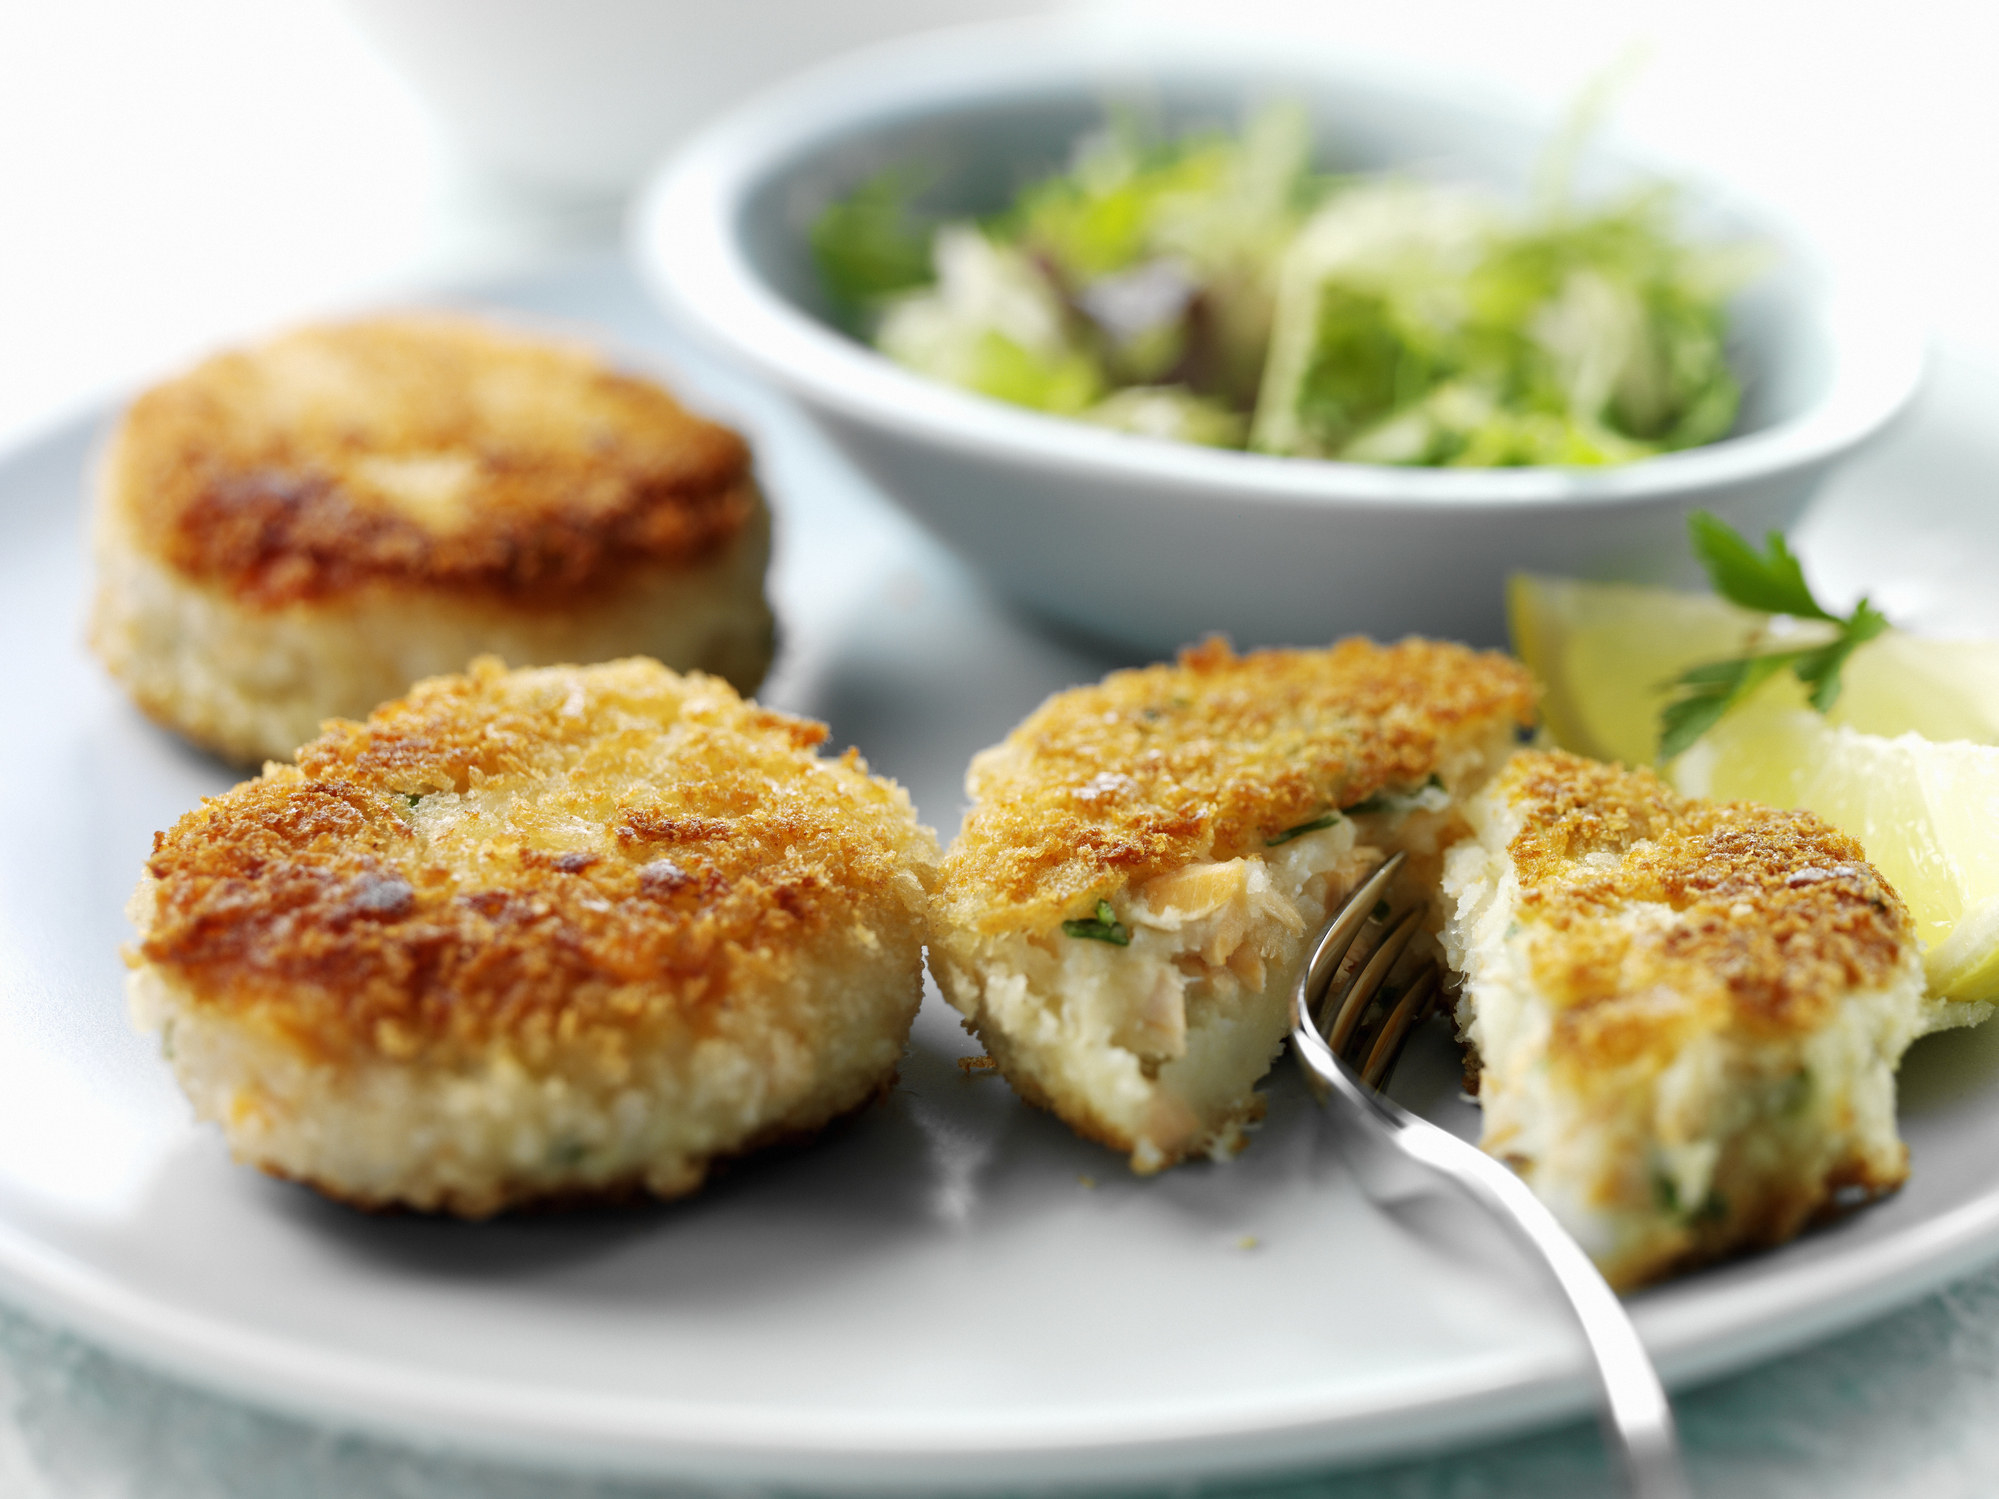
1384 1139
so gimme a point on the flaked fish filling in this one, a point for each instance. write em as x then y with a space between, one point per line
1162 1025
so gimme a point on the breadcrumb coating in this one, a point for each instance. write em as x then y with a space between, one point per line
1778 915
427 450
557 859
1105 786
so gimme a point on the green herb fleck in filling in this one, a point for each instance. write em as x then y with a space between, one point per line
1317 824
1103 927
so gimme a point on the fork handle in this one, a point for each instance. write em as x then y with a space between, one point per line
1638 1418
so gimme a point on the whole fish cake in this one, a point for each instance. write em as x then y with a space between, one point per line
1124 913
540 935
1686 1015
300 530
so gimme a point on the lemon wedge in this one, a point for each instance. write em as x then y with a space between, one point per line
1605 654
1905 761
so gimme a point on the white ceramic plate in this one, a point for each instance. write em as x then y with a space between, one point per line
938 1295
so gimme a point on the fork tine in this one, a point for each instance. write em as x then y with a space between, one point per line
1338 938
1369 979
1412 1007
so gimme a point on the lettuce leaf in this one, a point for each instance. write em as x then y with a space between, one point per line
869 245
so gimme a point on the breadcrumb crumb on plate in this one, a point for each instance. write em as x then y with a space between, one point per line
1687 1014
536 935
1127 906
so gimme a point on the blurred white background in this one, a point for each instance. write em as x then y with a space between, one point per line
175 176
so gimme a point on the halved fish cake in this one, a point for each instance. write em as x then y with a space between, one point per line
1127 906
1686 1015
540 935
300 530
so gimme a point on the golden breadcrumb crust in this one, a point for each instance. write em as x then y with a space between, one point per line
1105 786
558 858
427 450
1778 916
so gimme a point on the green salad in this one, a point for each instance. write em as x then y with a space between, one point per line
1219 289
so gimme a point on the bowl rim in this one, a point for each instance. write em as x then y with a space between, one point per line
685 237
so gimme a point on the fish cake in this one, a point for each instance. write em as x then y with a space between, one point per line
1128 905
536 936
1686 1015
300 530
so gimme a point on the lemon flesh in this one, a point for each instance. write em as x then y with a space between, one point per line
1905 761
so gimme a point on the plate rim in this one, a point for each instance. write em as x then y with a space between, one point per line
1700 1341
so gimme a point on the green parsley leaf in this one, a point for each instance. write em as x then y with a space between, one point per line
1103 927
1771 582
1302 829
1707 692
1819 669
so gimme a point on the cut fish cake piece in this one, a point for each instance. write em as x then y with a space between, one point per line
1686 1015
1127 907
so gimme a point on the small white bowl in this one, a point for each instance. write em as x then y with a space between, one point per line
1154 543
579 97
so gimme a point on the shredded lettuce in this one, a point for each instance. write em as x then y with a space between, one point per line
1428 325
1218 290
993 323
1169 411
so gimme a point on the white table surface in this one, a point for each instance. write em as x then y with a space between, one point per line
172 177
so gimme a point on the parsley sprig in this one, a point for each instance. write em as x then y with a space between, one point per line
1103 927
1771 582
